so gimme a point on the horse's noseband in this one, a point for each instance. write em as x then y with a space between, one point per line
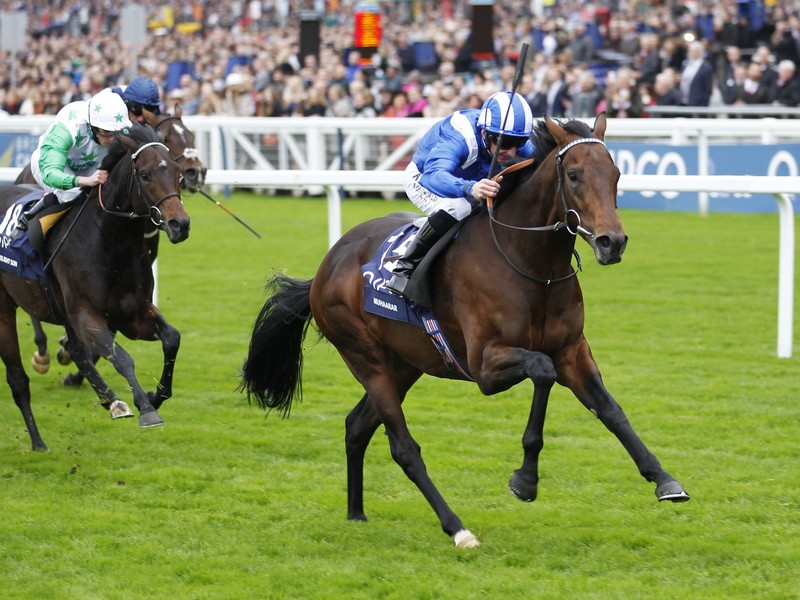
560 173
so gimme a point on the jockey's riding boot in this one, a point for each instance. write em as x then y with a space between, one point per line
45 201
431 232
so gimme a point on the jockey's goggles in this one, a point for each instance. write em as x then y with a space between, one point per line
136 108
509 141
103 133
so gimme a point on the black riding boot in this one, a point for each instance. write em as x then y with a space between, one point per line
46 201
431 232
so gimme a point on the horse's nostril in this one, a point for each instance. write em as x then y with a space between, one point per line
603 242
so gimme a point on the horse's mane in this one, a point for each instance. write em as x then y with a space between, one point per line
544 143
138 133
543 139
141 133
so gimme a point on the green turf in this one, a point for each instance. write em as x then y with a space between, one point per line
222 502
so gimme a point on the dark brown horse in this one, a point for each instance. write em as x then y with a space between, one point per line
100 279
507 300
180 141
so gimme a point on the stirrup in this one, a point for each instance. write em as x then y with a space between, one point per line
397 284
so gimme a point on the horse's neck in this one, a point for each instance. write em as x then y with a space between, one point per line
535 204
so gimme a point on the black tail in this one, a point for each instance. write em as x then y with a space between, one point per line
273 370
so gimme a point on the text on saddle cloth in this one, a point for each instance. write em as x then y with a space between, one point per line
381 302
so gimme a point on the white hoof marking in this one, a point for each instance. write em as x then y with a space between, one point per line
465 539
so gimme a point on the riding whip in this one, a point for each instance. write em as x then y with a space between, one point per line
253 231
517 76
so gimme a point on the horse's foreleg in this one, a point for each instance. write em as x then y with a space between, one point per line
86 361
150 325
41 358
97 339
580 374
15 373
503 367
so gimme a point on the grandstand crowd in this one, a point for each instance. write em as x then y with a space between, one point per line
240 57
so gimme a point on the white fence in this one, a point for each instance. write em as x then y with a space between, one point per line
308 153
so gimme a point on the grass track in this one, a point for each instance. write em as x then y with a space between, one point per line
224 503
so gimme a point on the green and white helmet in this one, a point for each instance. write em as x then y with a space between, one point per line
108 111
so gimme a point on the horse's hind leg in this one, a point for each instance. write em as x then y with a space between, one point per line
360 426
15 373
373 369
41 358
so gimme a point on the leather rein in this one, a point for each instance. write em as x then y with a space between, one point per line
557 226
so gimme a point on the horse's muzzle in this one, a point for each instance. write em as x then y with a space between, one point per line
608 249
177 229
194 178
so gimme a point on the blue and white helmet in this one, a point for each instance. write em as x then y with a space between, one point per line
519 119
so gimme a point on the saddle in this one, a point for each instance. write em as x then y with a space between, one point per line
416 309
417 288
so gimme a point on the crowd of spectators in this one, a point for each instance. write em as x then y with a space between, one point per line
240 57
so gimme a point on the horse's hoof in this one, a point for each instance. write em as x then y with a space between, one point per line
41 364
465 539
73 379
120 410
359 517
63 356
521 489
672 491
150 419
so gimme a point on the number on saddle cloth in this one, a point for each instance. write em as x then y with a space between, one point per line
17 255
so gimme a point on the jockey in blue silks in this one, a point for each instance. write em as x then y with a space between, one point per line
448 172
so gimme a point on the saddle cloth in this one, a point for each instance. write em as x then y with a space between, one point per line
24 255
379 301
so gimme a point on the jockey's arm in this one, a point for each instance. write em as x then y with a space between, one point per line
53 159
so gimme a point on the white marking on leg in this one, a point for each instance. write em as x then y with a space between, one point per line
465 539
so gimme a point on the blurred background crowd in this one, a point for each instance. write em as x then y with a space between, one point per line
242 57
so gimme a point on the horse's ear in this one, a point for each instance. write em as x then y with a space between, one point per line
558 133
151 118
178 110
599 128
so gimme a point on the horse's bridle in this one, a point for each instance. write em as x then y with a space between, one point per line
578 228
154 213
188 153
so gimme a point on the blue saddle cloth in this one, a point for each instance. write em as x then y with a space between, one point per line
380 301
17 256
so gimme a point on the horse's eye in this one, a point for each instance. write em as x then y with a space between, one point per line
145 175
573 176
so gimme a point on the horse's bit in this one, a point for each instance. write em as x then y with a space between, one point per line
556 226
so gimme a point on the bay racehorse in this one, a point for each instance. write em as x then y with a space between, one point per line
100 280
508 301
180 141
